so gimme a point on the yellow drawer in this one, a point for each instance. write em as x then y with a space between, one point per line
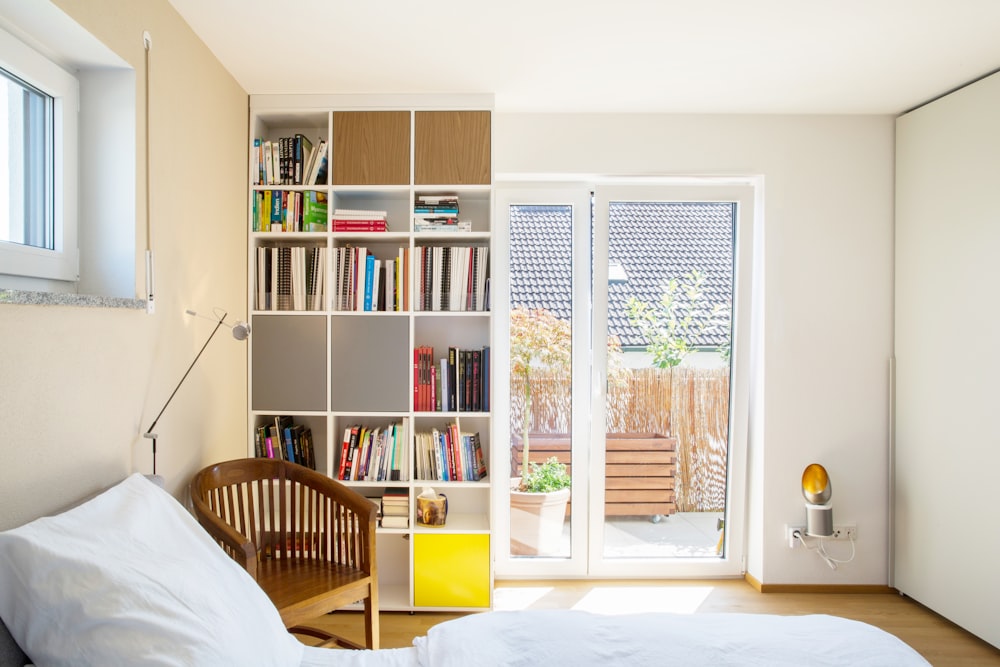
451 570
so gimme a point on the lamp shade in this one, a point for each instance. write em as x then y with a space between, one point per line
816 484
817 490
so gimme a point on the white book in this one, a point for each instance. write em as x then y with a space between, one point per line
274 279
358 214
482 277
390 285
376 284
360 256
319 152
298 278
321 271
437 277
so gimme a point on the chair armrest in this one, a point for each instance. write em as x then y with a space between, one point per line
235 543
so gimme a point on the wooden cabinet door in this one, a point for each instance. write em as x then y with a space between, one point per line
452 148
371 148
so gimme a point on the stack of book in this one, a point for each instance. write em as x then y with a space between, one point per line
452 278
362 282
438 213
289 161
291 278
458 382
285 440
289 211
450 456
358 220
375 454
395 508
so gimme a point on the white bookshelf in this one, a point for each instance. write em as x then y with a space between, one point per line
329 369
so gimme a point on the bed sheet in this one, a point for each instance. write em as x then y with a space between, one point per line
543 637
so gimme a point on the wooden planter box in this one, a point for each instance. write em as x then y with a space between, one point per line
638 473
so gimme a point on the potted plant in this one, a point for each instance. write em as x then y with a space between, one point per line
539 340
538 508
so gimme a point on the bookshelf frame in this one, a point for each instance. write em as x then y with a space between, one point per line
330 368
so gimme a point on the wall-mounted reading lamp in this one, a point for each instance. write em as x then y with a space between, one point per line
241 331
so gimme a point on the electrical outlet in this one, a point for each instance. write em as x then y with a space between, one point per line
844 531
841 531
790 538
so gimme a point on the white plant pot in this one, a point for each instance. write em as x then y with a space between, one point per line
536 522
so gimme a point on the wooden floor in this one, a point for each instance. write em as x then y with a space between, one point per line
941 642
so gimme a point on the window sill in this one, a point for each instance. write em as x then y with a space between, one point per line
28 298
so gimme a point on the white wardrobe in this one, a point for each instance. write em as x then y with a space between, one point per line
947 357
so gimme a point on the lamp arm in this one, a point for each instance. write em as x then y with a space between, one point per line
149 433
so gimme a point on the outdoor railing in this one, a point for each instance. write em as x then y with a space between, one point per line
691 404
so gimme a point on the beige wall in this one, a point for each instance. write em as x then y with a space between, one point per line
822 390
78 386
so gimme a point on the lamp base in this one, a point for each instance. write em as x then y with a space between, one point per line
159 480
819 520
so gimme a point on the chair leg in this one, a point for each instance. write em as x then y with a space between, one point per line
329 640
372 632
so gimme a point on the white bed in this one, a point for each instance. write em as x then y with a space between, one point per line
129 578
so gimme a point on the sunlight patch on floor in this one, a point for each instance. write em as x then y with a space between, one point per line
515 598
638 599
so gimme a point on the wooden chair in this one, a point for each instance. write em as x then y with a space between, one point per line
308 540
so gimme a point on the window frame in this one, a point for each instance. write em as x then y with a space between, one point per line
31 264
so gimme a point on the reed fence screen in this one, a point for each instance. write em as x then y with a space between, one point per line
691 404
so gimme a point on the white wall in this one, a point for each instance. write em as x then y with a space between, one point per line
79 385
948 449
827 235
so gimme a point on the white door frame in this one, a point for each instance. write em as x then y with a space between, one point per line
590 365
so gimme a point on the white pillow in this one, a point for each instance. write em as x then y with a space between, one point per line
130 578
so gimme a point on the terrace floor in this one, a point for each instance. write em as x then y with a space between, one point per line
680 535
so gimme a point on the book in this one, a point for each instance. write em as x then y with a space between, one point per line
314 211
303 149
344 453
395 521
369 282
317 172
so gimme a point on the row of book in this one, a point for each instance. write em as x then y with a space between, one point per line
438 213
291 277
359 220
362 282
285 440
448 279
375 454
394 509
458 382
289 211
452 278
449 455
291 160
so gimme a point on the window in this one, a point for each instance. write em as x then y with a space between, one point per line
38 120
90 250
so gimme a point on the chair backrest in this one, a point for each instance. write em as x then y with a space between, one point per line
287 511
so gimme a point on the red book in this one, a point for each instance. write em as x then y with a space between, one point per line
432 386
416 378
344 452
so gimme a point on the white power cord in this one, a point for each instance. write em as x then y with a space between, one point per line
820 549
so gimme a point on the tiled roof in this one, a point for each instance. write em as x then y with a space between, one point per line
652 241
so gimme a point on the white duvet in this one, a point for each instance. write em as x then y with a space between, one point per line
574 638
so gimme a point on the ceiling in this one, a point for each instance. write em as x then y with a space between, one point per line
690 56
